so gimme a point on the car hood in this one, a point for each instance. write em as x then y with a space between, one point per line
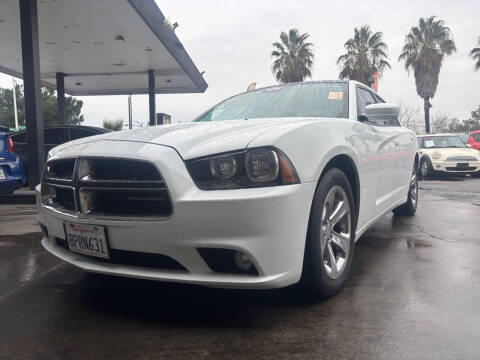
195 139
452 152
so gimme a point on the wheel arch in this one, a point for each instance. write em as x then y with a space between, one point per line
424 156
346 164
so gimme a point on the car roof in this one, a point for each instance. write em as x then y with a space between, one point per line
86 127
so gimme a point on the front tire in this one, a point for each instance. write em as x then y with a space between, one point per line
331 236
426 168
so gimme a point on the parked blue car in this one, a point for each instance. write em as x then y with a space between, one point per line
12 173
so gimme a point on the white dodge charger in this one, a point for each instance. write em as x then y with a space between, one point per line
265 189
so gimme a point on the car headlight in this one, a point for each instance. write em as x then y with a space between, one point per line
436 156
242 169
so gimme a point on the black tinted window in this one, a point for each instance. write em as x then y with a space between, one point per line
56 136
19 138
79 133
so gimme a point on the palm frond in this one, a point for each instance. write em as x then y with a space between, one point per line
293 57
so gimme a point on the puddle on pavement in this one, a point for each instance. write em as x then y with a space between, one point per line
417 243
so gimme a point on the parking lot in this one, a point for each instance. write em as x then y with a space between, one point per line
413 294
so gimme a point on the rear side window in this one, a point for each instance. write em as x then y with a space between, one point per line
476 137
20 138
56 136
79 133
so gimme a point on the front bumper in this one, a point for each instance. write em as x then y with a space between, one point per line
267 224
15 177
451 167
9 185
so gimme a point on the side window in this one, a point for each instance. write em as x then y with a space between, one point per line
56 136
420 142
364 98
378 99
20 138
79 133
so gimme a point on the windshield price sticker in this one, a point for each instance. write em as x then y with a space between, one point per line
429 143
335 95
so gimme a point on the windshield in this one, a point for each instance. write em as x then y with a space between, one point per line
321 99
440 142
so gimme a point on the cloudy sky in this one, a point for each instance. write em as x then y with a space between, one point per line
231 41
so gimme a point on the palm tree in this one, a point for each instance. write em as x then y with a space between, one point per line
366 53
475 54
425 47
293 57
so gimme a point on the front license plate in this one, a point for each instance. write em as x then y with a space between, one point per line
87 239
2 174
462 165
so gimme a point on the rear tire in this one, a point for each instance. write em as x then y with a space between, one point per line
331 236
410 207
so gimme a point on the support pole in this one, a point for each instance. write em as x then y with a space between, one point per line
61 98
15 112
33 96
151 97
130 121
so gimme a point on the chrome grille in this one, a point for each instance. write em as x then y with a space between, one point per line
461 158
105 188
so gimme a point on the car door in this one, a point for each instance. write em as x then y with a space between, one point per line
386 152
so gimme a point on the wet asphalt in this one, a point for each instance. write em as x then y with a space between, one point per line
414 293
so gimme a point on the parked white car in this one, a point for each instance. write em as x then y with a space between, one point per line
446 153
263 190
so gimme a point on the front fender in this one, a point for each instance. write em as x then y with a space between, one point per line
312 145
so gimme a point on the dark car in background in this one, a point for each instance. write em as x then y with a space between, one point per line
12 174
53 136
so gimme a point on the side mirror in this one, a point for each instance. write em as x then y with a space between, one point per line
469 146
385 113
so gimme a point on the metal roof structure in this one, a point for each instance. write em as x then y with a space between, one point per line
90 47
103 47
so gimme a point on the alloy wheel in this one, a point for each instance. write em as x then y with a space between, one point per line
424 168
335 232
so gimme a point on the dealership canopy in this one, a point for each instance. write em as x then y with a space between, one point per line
90 47
102 47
